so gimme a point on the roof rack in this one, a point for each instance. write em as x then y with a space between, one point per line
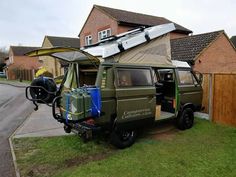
122 42
115 37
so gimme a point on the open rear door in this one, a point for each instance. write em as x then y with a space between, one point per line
65 54
38 91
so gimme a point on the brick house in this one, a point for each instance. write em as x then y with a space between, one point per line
208 53
104 21
53 65
20 66
214 55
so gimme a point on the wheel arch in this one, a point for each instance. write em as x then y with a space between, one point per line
186 105
181 118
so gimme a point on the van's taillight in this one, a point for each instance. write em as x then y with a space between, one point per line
90 121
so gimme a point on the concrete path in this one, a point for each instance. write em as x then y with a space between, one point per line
40 123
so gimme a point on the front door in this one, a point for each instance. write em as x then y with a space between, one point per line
190 90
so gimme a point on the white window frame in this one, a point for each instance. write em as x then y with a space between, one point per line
104 33
88 40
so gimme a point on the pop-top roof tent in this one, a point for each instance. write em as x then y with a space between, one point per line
145 46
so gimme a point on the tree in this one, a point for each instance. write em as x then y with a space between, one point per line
3 55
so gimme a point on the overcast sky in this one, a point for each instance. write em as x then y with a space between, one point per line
26 22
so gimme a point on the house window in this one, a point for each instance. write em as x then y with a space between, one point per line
88 40
104 33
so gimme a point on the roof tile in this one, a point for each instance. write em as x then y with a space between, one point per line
187 48
233 40
64 41
138 19
22 50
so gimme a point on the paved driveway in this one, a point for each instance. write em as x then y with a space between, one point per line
14 108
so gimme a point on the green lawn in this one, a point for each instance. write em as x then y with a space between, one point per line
3 79
14 81
203 151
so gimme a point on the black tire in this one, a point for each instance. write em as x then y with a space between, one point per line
37 93
123 138
186 119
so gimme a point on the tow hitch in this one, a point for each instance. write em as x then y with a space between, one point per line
84 130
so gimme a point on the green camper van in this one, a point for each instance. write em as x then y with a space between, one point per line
118 96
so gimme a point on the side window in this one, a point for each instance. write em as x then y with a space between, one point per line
165 75
107 78
155 76
134 77
186 78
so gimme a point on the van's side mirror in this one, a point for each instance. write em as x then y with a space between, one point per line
199 76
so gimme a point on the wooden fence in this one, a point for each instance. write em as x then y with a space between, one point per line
219 97
206 91
22 74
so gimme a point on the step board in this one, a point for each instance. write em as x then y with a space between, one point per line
165 115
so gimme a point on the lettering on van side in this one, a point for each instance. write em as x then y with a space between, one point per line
136 113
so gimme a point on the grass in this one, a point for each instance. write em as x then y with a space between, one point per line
45 156
206 150
3 79
14 81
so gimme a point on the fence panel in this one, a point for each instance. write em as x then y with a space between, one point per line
224 107
205 98
25 74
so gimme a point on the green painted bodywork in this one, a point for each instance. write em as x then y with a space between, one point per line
125 104
137 103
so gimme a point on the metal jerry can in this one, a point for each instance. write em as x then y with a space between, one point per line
76 105
87 104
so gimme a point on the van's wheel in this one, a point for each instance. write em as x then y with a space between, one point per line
185 119
123 138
